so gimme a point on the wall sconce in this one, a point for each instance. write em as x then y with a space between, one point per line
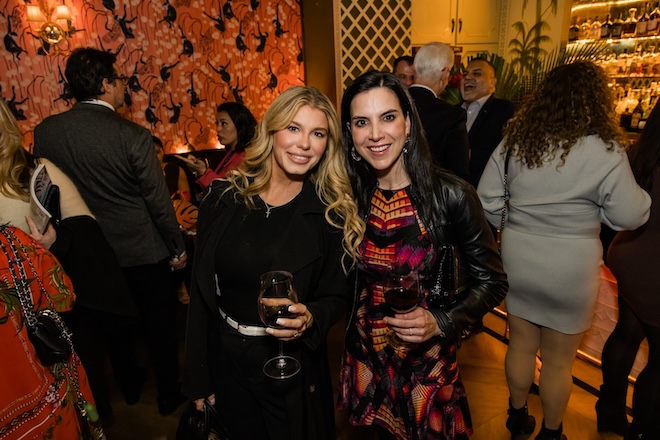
55 25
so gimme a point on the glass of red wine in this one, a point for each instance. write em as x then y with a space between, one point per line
278 285
401 292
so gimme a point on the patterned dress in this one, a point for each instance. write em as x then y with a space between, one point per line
415 393
36 402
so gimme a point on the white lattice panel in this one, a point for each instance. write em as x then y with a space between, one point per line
373 34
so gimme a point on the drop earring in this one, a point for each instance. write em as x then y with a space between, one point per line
356 157
405 145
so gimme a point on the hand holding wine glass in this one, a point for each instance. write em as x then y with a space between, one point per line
275 304
401 292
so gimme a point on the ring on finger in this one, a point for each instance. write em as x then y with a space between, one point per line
296 334
410 329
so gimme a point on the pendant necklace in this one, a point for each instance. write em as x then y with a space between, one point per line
269 208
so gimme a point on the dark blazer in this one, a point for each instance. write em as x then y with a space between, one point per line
486 134
312 254
112 162
445 130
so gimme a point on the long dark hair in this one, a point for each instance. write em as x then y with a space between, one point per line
417 161
243 120
645 154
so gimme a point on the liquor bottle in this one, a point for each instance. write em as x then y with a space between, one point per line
642 22
630 24
595 29
606 28
654 20
617 27
585 29
574 30
636 116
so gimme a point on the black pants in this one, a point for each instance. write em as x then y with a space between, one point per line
251 405
95 334
618 358
154 296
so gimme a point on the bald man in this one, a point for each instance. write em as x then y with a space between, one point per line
486 114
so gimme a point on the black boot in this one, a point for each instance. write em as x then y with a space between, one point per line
519 421
550 434
611 413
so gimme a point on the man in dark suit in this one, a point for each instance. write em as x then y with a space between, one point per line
443 123
404 70
112 162
486 114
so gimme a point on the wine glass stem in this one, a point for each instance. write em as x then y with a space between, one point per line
281 347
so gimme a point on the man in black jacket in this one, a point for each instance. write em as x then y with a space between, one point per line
443 123
486 114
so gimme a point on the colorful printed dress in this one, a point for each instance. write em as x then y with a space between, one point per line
36 402
414 394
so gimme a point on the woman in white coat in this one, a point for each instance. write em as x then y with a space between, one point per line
567 173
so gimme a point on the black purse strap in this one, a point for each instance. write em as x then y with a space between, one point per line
507 196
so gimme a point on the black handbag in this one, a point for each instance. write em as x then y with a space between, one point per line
201 425
450 280
50 337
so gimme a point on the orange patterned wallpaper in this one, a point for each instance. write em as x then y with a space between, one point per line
183 57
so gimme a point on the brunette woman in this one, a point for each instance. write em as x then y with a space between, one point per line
411 210
567 173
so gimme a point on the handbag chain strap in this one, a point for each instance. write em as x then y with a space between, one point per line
507 196
25 298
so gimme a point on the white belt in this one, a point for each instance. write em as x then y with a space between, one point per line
247 330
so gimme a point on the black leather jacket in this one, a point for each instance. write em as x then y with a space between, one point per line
459 219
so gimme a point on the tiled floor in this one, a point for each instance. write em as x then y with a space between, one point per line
481 361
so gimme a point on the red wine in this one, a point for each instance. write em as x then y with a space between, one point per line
270 314
402 299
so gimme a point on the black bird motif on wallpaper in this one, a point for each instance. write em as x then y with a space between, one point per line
10 44
109 5
128 100
222 71
278 26
150 114
240 44
219 22
175 109
262 39
272 84
18 113
170 14
123 23
165 71
227 10
237 93
66 95
134 80
188 48
194 98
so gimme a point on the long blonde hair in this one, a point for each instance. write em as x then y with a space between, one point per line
14 162
329 176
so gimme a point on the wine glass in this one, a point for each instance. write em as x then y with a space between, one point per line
278 284
401 293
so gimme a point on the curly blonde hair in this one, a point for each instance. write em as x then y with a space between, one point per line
329 176
573 101
14 163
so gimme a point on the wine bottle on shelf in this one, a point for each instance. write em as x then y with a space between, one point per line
606 28
654 20
630 25
617 27
642 22
636 116
595 29
574 30
585 29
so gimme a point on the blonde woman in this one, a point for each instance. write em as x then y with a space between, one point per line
287 207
